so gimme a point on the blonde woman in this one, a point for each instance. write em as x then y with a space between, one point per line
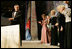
67 35
54 33
61 21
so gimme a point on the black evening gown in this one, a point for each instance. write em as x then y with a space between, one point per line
67 36
54 33
61 21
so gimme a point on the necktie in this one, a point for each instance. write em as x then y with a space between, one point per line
14 14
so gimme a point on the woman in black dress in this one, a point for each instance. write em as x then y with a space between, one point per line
54 33
67 35
61 22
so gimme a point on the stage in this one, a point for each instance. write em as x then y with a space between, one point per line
35 44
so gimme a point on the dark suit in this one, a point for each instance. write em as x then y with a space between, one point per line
18 20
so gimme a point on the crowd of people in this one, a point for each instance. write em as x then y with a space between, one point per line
56 27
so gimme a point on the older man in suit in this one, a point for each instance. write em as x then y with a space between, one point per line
16 16
17 19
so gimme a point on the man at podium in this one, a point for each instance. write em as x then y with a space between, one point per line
16 19
16 16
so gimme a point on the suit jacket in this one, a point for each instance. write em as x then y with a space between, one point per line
17 18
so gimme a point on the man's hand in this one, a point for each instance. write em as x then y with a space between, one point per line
11 19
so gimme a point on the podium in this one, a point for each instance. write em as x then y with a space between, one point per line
5 21
10 36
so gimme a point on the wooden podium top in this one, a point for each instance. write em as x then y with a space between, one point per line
5 21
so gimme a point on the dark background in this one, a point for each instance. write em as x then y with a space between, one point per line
41 7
